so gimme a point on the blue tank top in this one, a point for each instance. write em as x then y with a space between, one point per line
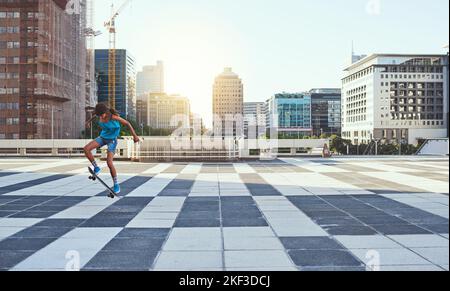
110 129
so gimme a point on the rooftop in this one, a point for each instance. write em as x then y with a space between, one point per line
289 214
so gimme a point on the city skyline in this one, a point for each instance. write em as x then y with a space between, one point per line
199 38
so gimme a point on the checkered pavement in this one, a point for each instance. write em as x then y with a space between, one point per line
341 214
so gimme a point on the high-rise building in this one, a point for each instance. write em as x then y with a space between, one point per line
228 104
289 115
254 119
150 79
325 111
163 108
42 70
395 98
125 81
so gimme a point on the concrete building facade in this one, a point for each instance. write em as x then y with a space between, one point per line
325 111
228 105
42 70
395 98
162 109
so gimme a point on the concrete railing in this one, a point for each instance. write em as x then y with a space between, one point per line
55 148
166 148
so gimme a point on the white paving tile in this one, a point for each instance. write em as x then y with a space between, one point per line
189 261
242 232
412 181
391 256
7 231
418 241
436 255
86 209
252 243
243 168
81 243
19 222
194 239
257 259
157 169
410 268
154 186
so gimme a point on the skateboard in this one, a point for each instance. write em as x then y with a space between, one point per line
94 177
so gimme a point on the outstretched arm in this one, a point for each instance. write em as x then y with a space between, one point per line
127 124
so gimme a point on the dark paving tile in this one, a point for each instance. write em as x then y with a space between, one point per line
24 244
436 228
4 214
44 208
337 221
42 232
144 233
323 258
14 207
349 230
10 258
4 174
254 222
306 200
27 184
103 222
386 219
257 186
333 269
123 261
402 229
60 223
175 192
185 222
199 215
135 244
33 214
65 201
325 214
310 243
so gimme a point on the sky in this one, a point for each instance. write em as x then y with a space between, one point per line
273 45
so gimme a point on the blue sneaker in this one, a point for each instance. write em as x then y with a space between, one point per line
116 188
97 170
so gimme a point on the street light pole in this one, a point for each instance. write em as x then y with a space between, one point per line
53 136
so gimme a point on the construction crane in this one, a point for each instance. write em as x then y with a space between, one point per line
111 27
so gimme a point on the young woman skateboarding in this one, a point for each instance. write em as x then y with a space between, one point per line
110 122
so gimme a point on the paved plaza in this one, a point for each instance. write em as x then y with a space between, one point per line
343 214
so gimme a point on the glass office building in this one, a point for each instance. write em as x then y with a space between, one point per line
326 111
125 81
290 115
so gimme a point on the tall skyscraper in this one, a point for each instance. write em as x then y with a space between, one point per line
395 98
151 79
42 70
125 81
290 115
326 111
228 104
254 119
